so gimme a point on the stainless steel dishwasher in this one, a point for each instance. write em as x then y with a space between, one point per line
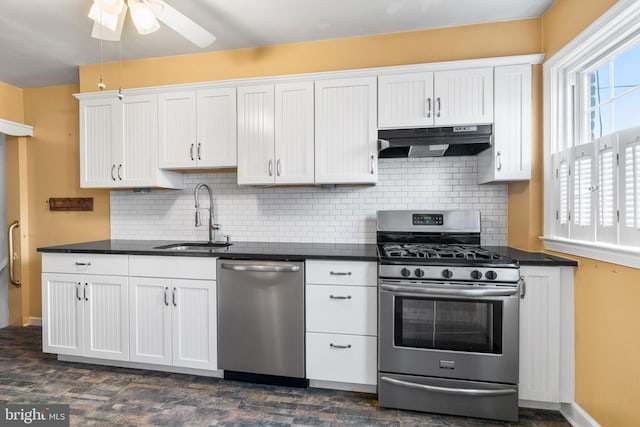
261 321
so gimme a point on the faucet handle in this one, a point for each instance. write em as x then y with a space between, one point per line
216 226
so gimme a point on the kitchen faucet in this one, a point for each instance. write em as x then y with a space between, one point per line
212 226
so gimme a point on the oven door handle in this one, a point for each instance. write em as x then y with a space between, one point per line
472 392
452 292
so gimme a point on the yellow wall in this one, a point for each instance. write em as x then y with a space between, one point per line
54 171
11 106
474 41
606 295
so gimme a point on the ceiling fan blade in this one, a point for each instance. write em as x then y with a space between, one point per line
180 23
101 32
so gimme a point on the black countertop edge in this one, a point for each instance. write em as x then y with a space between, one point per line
281 251
289 251
532 258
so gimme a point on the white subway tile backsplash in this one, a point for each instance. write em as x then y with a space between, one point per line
313 214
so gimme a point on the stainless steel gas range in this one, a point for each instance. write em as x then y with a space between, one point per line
448 317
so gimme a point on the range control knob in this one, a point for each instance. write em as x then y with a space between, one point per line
419 272
491 275
405 272
447 274
477 275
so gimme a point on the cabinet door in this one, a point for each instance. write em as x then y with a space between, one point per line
256 135
106 317
346 131
100 132
342 358
216 128
138 163
150 318
509 159
62 314
463 97
194 324
294 133
405 100
540 335
177 129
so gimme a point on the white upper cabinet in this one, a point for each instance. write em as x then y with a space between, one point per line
197 129
275 134
440 98
346 131
509 158
119 144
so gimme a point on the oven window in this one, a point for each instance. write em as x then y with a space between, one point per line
447 324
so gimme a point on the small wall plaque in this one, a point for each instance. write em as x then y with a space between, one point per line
71 203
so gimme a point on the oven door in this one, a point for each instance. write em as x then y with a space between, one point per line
449 330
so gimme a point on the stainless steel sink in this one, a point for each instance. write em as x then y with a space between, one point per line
194 246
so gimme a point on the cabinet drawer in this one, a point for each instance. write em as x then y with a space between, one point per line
173 267
342 309
341 358
362 273
113 265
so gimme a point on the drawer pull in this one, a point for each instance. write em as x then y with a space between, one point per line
340 273
339 297
83 263
332 345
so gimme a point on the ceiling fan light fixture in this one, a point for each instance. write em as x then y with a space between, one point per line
143 17
113 7
106 19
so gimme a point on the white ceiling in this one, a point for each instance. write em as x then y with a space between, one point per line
42 42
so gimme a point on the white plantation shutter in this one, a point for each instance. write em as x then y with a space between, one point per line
607 226
561 177
629 143
582 225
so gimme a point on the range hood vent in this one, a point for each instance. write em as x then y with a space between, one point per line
434 142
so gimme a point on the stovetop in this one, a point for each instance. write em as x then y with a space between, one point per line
436 251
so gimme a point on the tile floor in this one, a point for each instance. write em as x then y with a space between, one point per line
103 396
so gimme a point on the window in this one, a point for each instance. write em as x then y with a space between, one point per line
592 141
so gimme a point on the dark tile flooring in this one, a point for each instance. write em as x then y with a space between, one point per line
103 396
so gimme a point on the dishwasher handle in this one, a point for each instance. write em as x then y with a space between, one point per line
261 268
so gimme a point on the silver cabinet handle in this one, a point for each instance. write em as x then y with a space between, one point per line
278 167
523 287
438 102
449 390
173 297
262 268
119 170
339 297
166 291
340 273
270 167
84 292
499 160
452 292
113 177
199 146
82 263
78 291
332 345
12 259
191 152
373 163
428 107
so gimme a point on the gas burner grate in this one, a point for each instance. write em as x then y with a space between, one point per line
430 251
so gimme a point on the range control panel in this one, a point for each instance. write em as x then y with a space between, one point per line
428 219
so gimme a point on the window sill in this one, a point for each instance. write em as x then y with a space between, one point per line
615 254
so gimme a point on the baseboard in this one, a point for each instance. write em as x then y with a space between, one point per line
34 321
332 385
577 416
549 406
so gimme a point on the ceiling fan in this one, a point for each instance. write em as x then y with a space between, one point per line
109 18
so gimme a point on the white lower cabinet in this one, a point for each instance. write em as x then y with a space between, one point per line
341 322
546 336
85 314
173 319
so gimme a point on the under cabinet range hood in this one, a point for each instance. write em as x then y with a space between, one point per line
434 142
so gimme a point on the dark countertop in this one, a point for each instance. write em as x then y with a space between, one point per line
281 251
238 250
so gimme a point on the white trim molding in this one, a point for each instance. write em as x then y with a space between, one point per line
577 416
15 129
619 26
34 321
